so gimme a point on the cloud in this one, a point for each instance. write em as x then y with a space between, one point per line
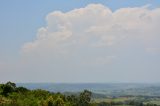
94 26
94 40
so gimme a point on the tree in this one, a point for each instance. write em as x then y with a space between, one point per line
85 97
21 90
7 88
73 100
59 102
50 101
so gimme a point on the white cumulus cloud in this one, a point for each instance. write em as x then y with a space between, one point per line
95 26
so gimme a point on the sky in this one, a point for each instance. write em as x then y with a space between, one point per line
80 41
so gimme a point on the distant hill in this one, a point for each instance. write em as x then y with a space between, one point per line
99 89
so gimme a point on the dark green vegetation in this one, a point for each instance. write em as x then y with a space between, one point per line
11 95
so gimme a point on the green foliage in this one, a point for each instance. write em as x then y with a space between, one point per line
7 88
21 90
10 95
84 99
59 102
73 100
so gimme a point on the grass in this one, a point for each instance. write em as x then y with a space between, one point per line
119 99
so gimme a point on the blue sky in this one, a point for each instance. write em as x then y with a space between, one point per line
20 21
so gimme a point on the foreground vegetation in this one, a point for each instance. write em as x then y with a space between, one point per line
11 95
